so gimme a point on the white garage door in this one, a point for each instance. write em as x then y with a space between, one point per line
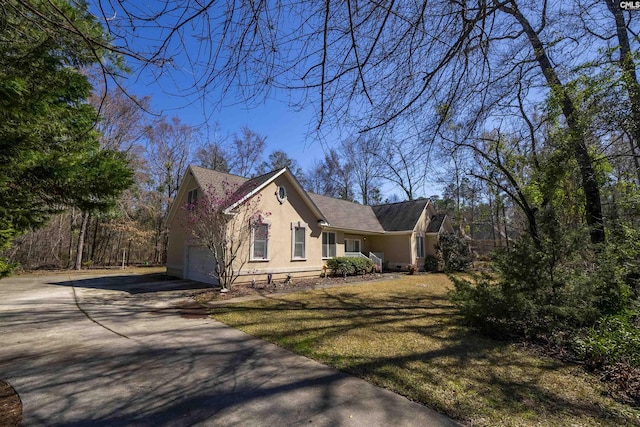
199 265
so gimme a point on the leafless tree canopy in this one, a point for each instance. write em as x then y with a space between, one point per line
370 63
415 76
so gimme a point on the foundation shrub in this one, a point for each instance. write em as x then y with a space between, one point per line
346 266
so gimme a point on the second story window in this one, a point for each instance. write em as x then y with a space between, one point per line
192 198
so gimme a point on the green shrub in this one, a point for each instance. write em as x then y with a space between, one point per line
539 290
455 252
362 265
431 263
613 339
346 266
340 266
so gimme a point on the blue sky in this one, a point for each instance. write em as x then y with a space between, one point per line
285 128
171 90
171 87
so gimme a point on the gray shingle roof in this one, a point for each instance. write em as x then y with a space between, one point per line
339 213
435 223
251 184
401 216
210 180
347 215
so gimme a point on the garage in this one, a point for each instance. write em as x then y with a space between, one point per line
199 265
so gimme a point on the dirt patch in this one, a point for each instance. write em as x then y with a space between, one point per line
10 406
282 286
191 310
188 309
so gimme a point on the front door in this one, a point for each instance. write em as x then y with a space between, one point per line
352 245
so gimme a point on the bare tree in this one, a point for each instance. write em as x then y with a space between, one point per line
213 154
338 172
245 152
376 64
315 179
278 159
402 165
362 155
168 155
122 122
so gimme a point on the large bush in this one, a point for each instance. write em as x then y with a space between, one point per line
346 266
455 252
538 290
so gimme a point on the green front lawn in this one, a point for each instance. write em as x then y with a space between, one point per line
405 336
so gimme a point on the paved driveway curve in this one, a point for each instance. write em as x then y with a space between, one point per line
112 350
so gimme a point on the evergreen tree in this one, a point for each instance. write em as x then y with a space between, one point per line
50 155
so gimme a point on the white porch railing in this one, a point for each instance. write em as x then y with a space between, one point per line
355 254
377 260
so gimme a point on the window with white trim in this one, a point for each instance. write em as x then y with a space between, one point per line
299 235
420 246
260 242
352 245
328 244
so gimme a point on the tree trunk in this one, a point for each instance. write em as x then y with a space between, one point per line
506 231
129 252
72 226
94 242
81 236
493 220
636 160
593 205
628 68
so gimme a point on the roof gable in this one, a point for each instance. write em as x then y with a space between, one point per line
402 216
436 223
338 213
242 188
252 186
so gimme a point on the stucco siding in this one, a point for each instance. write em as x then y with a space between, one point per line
177 233
396 249
283 216
430 243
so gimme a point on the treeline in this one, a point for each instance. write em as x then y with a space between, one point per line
158 152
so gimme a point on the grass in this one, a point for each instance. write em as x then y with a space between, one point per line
405 336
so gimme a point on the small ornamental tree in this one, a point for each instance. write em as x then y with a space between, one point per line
223 221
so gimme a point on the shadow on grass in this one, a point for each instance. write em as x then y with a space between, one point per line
154 370
414 343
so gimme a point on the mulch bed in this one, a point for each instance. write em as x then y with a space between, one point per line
281 286
10 406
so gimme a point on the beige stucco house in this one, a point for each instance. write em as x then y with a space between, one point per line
304 229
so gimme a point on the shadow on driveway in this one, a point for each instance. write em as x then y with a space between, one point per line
99 357
135 284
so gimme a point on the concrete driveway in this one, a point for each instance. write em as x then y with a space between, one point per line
114 350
